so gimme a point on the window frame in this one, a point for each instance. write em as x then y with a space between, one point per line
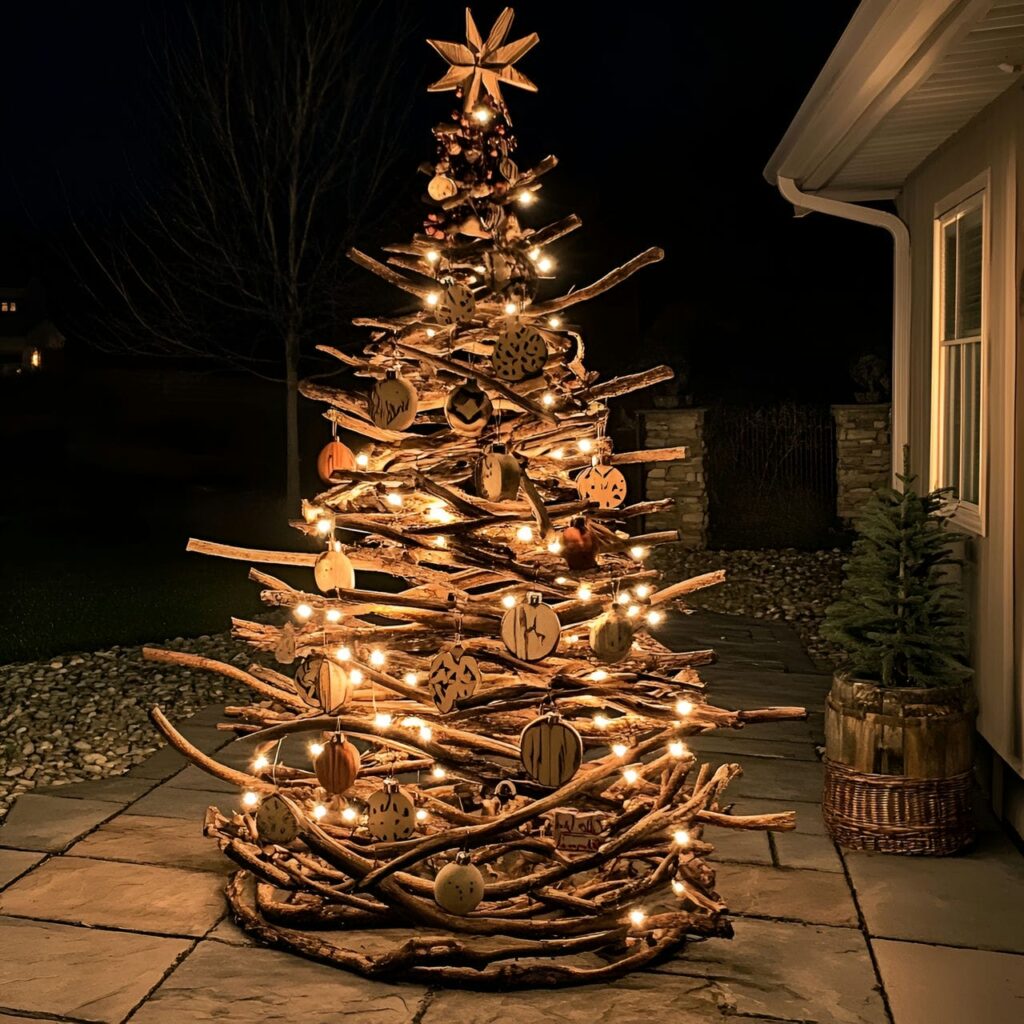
975 193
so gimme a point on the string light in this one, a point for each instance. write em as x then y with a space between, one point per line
509 601
586 445
554 321
633 611
524 534
599 675
677 887
422 815
638 552
439 514
394 498
561 580
684 707
534 253
432 299
319 811
555 547
311 512
584 593
548 400
545 263
362 460
440 542
438 772
382 720
333 615
433 255
431 332
411 679
426 733
316 749
349 814
558 453
377 657
643 590
412 722
250 799
355 677
637 917
682 837
654 617
624 597
482 115
303 611
525 198
620 749
602 721
677 748
631 775
343 653
260 763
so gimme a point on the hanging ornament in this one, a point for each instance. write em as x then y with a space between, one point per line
337 765
603 484
611 635
390 814
333 571
579 545
551 751
441 187
519 352
578 831
275 822
392 403
455 305
284 652
496 475
530 630
334 457
467 409
459 886
323 683
453 677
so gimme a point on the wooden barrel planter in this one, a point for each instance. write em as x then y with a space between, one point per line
898 767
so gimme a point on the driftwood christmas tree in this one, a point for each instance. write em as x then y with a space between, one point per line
497 745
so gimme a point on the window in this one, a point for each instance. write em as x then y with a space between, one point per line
959 398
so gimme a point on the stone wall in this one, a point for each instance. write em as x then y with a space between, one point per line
863 455
683 481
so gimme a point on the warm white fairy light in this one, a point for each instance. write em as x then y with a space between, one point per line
624 597
638 551
311 512
548 399
555 546
677 748
303 611
684 707
426 733
412 722
524 534
433 298
558 453
260 763
377 657
620 749
319 811
343 653
631 775
510 308
509 601
599 675
586 446
438 772
333 615
362 460
677 887
654 617
584 593
642 590
422 814
534 253
637 917
440 542
633 611
433 255
349 814
355 677
250 799
561 580
545 264
682 837
394 498
525 198
316 749
411 679
554 321
382 720
324 526
602 721
482 115
439 514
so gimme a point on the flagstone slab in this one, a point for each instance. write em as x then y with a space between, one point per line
81 973
122 790
161 765
740 845
784 779
168 801
815 897
150 840
940 899
808 816
811 852
940 985
16 862
740 743
195 778
108 894
240 985
50 823
786 971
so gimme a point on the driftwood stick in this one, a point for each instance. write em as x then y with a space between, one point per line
610 280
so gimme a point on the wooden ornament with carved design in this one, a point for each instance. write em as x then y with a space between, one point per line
275 822
602 484
323 683
519 352
551 751
333 571
390 814
453 677
393 402
337 765
531 629
467 409
334 457
459 886
455 305
497 474
611 635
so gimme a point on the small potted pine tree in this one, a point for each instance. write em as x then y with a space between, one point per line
899 720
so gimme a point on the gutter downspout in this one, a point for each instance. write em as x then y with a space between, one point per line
900 298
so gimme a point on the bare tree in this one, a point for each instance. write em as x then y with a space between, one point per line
281 122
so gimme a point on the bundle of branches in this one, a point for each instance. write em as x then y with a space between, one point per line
498 742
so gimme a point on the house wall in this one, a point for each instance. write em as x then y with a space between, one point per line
992 143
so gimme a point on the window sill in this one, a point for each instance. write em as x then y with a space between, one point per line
968 518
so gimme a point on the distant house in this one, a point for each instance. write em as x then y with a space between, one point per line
29 341
922 104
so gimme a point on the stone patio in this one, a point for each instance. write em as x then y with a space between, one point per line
111 907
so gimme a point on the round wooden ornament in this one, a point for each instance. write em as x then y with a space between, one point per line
393 402
602 484
441 187
323 683
459 886
519 352
334 457
497 475
455 305
467 409
337 765
530 630
453 676
275 822
333 571
390 814
551 751
611 635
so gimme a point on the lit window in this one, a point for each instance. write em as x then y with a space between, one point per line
960 273
3 307
14 307
36 359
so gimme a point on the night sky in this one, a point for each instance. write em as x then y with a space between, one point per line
751 303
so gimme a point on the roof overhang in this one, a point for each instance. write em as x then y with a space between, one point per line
904 77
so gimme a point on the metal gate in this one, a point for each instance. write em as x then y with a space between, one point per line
771 476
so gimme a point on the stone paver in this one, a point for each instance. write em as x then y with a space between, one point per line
195 778
786 780
121 790
799 850
16 862
50 823
940 899
145 840
741 846
791 972
162 765
749 742
242 985
168 801
81 973
808 816
138 897
938 985
817 897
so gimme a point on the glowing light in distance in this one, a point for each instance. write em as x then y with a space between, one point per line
411 679
524 534
431 332
260 763
624 597
654 617
620 749
682 837
599 675
377 657
438 772
303 611
316 749
311 512
349 814
422 815
355 677
643 590
333 615
343 653
394 498
432 299
439 514
631 775
676 748
554 321
637 551
548 400
526 198
319 811
637 917
584 593
545 263
586 445
382 719
482 115
440 542
433 255
677 887
601 721
555 547
561 580
633 611
412 722
426 733
362 460
558 453
683 707
509 601
510 308
250 799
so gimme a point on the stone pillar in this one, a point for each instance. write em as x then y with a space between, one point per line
683 481
863 455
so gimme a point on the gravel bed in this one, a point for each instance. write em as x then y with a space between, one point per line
85 716
785 584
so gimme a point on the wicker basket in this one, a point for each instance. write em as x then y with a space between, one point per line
897 814
898 767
